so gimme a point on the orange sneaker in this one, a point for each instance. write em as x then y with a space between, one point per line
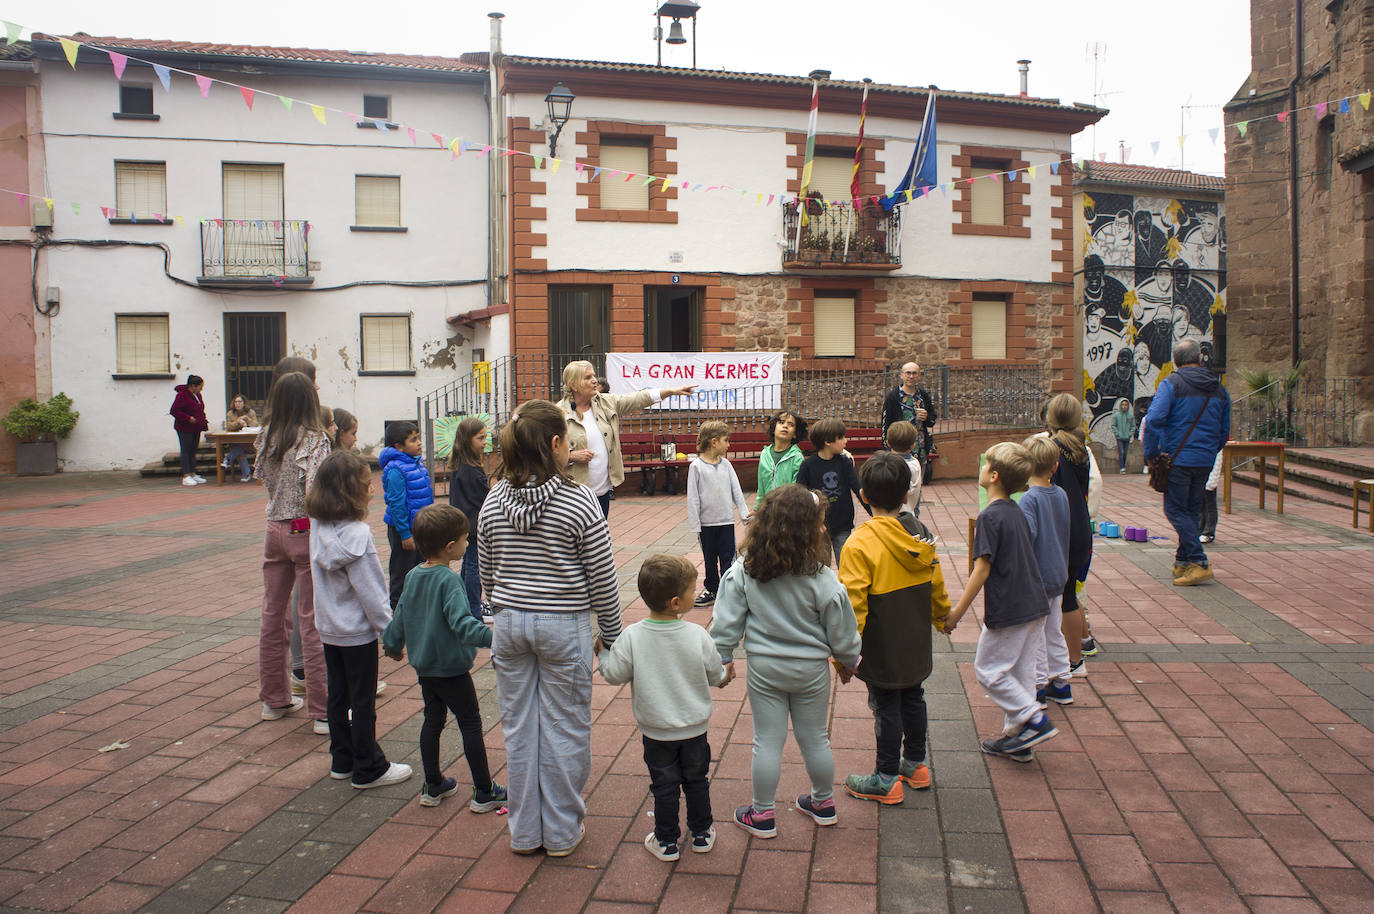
915 774
874 787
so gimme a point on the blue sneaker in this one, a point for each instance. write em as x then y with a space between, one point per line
432 794
1040 697
487 800
822 813
994 747
1059 693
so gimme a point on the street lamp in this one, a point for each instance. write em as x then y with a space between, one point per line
559 100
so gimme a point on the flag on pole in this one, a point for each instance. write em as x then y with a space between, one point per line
924 168
854 189
810 148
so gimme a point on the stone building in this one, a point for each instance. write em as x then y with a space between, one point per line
1300 195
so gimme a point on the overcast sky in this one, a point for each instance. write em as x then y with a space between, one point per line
1152 58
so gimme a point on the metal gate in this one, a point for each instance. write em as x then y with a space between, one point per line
253 344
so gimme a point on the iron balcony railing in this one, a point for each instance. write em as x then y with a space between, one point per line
852 390
1315 414
265 249
841 235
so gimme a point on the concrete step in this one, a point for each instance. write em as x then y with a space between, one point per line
1314 476
1355 463
1292 488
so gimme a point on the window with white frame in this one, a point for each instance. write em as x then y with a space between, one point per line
988 206
141 345
386 342
834 325
377 200
140 190
989 326
628 158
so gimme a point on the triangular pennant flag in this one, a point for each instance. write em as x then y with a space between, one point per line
1030 170
177 220
1321 109
596 172
438 139
538 162
650 179
410 131
1364 100
1345 106
873 199
381 125
356 118
276 225
666 183
1242 126
11 32
464 146
204 82
907 191
70 48
1283 116
696 187
579 166
613 172
509 152
1013 174
769 203
629 175
105 212
925 191
318 112
1212 132
286 102
1154 147
1180 141
23 198
164 76
76 209
553 168
157 217
117 61
685 184
944 191
247 94
48 200
455 147
486 148
995 177
758 198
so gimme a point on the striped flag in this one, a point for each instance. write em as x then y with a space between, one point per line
810 149
854 188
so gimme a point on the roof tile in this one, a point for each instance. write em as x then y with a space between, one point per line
1146 176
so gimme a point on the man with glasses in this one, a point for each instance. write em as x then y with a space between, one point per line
910 402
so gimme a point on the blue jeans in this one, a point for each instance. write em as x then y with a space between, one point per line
1123 447
472 581
1183 507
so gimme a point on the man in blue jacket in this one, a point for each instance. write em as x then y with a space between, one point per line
1190 398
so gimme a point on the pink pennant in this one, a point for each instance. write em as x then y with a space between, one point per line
118 61
770 200
356 119
411 132
578 166
105 211
509 152
438 139
204 82
247 94
686 184
157 217
629 175
925 191
276 225
1283 116
996 178
1321 109
486 148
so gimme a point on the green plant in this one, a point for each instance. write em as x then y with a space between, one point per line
33 421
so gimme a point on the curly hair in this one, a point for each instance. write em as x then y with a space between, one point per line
787 535
341 490
798 433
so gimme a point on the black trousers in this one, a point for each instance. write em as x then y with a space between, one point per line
400 563
678 764
443 694
899 716
718 548
189 442
352 676
1207 525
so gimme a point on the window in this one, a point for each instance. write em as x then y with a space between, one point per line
831 174
1326 151
136 102
377 107
834 325
989 326
988 198
253 192
377 200
140 190
386 343
141 344
627 157
579 322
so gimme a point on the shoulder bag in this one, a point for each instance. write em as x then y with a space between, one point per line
1161 465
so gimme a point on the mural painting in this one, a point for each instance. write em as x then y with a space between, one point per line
1154 273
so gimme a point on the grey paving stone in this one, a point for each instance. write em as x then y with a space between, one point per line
968 810
271 837
906 832
293 874
912 885
323 798
354 820
987 901
243 904
959 769
980 861
204 890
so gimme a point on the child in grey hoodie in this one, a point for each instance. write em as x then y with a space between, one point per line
351 610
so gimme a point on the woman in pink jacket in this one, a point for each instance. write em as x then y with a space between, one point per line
188 418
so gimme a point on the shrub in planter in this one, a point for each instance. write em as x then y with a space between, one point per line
38 426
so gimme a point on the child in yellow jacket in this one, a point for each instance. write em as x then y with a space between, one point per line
892 574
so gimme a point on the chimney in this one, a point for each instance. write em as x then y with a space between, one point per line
495 34
1024 67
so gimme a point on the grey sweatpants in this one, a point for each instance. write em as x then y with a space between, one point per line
543 664
1005 665
779 689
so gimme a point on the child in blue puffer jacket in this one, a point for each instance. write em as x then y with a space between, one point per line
407 488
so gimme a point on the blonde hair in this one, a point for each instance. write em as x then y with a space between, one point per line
710 430
1064 420
574 372
1044 454
1012 464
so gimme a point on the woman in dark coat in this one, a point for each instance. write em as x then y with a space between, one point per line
188 418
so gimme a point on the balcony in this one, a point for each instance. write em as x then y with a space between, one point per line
837 237
235 253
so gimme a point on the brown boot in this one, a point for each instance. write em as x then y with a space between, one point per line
1179 569
1196 574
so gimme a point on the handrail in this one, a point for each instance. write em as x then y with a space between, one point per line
1241 399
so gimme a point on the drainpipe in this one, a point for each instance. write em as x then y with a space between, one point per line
1294 295
497 274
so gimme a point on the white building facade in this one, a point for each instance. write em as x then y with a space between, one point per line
212 238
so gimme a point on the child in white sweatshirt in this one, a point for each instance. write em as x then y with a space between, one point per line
672 665
713 494
352 609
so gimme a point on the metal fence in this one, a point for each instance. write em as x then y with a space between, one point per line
835 234
1320 414
254 248
851 390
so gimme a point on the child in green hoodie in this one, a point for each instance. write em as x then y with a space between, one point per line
779 461
433 621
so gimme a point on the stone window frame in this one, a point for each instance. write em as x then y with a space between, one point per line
1015 207
1021 320
660 145
870 341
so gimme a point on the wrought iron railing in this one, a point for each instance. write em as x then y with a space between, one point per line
1315 414
842 235
851 390
254 248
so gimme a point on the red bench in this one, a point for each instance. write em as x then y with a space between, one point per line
640 451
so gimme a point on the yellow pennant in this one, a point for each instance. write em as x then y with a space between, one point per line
665 185
1030 169
553 165
70 48
318 112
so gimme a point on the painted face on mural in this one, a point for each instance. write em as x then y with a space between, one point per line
1209 227
1164 276
1180 317
1142 359
1123 362
1094 319
1094 275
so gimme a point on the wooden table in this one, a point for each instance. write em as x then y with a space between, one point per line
1259 450
221 440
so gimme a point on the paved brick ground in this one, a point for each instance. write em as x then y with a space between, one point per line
1215 759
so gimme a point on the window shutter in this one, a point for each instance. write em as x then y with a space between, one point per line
988 197
830 175
616 192
990 328
377 200
834 330
141 344
253 192
140 189
386 342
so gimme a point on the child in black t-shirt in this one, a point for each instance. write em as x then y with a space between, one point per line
1014 607
831 471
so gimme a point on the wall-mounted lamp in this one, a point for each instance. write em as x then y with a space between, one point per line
559 100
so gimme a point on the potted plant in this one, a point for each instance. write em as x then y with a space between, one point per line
38 426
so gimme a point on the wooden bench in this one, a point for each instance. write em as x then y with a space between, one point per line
1363 485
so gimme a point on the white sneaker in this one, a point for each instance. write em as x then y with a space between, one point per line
297 685
189 481
271 713
381 686
200 480
393 775
321 727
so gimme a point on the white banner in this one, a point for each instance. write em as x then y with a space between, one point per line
724 380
